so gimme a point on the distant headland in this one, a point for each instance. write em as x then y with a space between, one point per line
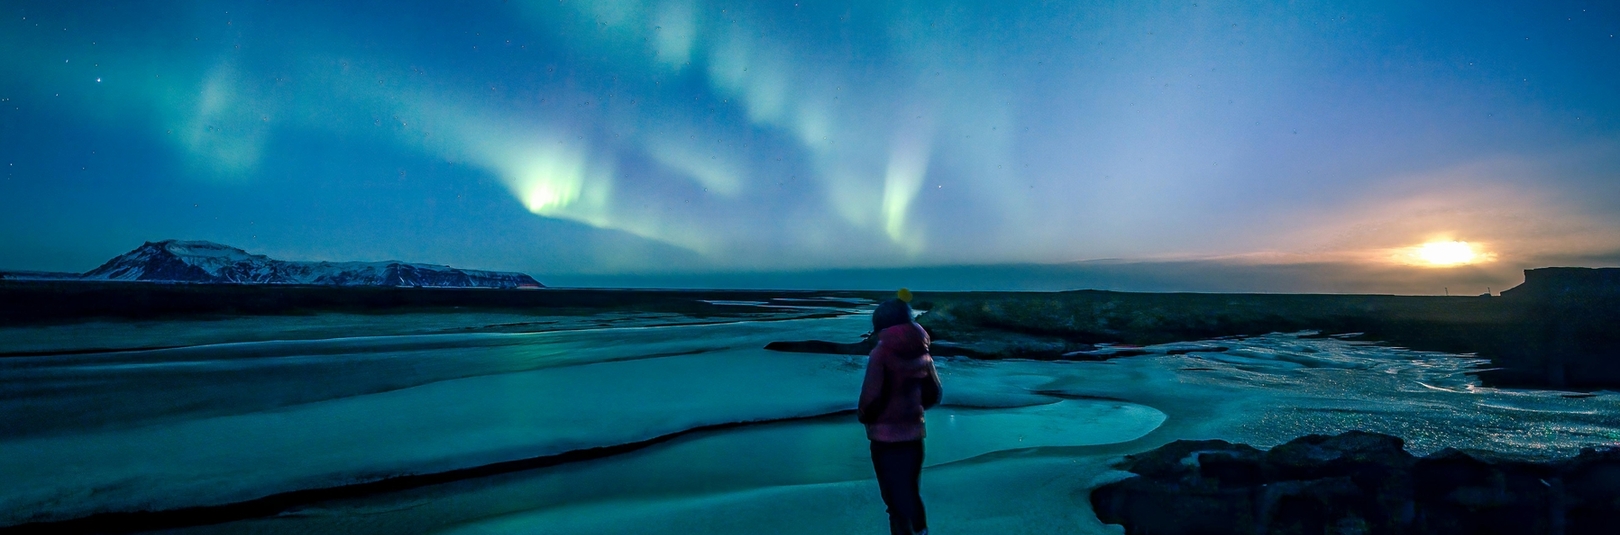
1556 330
202 262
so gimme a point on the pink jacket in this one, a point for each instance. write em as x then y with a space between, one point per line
900 384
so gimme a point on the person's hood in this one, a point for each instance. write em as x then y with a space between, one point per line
890 313
907 340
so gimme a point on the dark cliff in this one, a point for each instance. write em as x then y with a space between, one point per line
1567 283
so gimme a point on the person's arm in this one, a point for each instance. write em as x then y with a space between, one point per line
932 392
871 388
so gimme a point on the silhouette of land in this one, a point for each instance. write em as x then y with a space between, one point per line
1559 329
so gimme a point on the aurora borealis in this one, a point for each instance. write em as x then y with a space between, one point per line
583 141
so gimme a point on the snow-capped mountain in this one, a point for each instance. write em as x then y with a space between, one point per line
208 262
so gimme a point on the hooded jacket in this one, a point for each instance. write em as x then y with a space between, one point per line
900 384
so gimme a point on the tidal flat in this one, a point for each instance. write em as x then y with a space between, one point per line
666 418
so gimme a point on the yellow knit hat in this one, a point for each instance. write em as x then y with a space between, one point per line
904 295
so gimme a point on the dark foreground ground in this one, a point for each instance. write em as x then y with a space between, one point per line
1556 330
1361 483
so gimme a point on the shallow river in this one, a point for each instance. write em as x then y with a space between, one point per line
1015 447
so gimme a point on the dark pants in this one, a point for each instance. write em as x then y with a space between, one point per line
898 466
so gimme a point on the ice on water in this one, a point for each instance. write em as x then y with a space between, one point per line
361 414
1016 445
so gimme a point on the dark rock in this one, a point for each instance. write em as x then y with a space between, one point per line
821 346
1567 282
1591 488
1205 483
1346 454
1358 482
1186 350
1312 506
943 348
1147 506
1009 345
1181 460
1462 493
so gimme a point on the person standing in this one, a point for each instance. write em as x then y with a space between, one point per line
900 384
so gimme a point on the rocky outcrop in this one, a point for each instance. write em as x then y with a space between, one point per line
821 346
1569 320
1567 283
1358 483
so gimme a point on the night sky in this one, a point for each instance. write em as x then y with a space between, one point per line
1192 145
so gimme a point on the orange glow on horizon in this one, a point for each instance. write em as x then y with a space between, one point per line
1445 253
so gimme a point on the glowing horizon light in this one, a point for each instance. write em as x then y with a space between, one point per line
1448 253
